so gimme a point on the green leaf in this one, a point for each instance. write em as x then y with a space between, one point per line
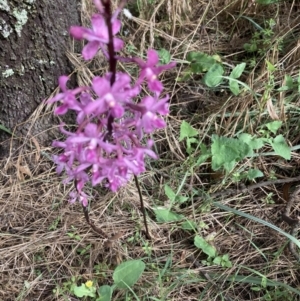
181 199
253 142
189 147
250 47
187 131
202 244
274 126
238 70
205 154
281 148
202 159
227 151
223 261
105 293
189 225
270 66
283 88
217 260
226 262
254 173
234 87
164 56
289 81
83 291
213 77
128 273
165 216
170 193
200 62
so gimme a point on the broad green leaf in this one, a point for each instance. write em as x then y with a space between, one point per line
200 62
128 273
238 70
187 131
83 291
253 142
227 151
254 173
234 87
189 225
228 166
170 193
281 148
213 77
105 293
274 126
207 248
165 216
164 56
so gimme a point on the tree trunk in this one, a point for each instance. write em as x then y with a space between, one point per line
33 42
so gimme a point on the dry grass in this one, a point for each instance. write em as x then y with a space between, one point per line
43 238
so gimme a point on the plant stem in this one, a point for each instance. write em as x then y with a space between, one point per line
142 206
111 51
112 59
91 224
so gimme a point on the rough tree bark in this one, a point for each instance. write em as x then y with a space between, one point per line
33 42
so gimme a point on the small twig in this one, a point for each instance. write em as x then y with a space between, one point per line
142 207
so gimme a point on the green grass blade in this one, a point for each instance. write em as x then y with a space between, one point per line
256 219
254 280
3 128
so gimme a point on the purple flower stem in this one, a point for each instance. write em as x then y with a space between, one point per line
111 51
91 224
112 58
112 68
87 218
142 207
